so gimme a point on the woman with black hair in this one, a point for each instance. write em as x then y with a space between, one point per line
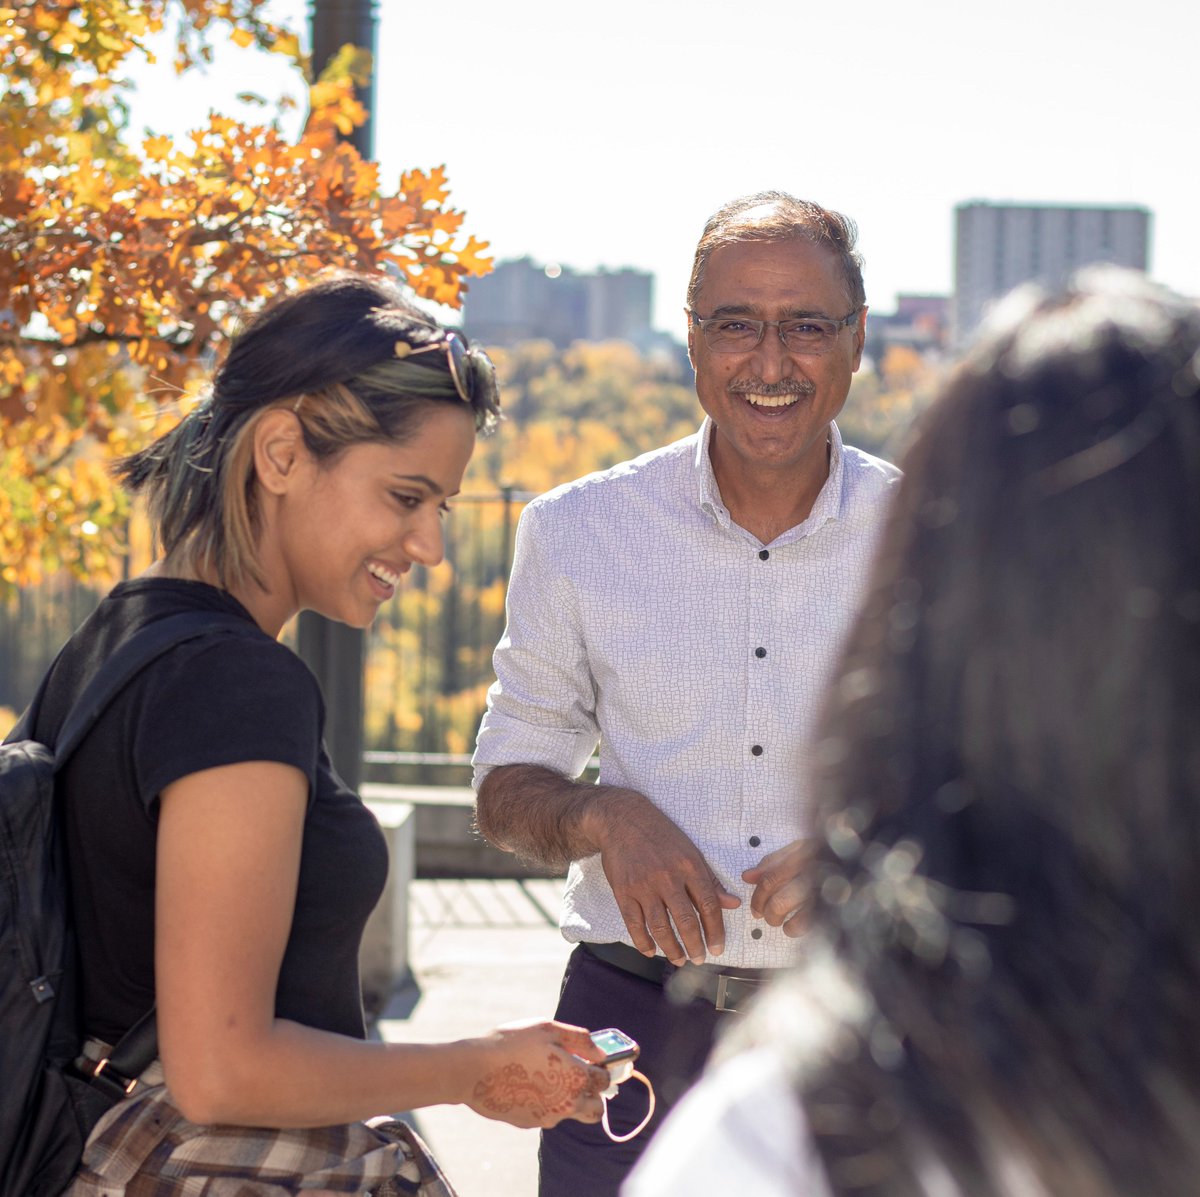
226 876
1000 989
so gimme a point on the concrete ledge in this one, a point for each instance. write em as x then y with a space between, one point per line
383 960
446 843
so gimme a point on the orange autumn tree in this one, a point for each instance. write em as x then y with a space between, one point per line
126 260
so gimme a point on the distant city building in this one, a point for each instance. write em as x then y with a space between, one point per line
998 246
521 301
920 323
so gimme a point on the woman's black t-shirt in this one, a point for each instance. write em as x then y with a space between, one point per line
216 700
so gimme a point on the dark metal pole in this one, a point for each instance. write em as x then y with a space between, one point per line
336 23
334 652
506 554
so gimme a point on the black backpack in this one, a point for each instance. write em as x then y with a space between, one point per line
47 1107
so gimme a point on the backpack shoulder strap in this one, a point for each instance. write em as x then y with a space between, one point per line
129 660
139 1045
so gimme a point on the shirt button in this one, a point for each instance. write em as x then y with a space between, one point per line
763 554
756 750
756 933
760 653
754 841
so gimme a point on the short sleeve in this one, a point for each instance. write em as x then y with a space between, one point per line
541 710
224 701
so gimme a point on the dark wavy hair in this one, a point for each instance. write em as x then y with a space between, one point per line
778 216
344 356
1005 964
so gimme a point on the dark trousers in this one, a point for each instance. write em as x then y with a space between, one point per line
580 1160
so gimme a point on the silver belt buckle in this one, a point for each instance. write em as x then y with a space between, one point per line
728 991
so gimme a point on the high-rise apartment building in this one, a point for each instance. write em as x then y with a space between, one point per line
521 301
998 246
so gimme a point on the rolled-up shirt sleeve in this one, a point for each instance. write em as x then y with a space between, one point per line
541 710
644 620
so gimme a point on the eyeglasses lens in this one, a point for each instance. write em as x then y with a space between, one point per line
811 336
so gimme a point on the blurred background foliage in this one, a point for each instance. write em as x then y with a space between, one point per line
567 412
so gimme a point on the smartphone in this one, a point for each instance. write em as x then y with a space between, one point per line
619 1054
616 1046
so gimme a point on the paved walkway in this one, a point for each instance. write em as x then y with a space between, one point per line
484 953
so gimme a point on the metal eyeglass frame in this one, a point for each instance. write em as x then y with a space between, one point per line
456 359
777 325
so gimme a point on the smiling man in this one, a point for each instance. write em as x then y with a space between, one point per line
683 611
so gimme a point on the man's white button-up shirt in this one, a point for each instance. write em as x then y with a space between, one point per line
642 619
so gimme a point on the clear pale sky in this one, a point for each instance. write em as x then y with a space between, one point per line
604 135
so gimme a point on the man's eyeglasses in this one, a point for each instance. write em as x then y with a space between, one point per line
457 359
809 335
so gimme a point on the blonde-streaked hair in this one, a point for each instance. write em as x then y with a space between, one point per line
342 356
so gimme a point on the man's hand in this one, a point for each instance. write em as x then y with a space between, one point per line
663 886
781 887
665 890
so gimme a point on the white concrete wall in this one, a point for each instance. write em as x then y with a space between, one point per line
384 961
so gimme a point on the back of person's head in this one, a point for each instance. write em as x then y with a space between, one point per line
777 216
1008 880
353 358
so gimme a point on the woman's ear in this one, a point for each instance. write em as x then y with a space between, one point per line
278 450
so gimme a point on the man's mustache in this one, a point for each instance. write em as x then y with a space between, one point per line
785 386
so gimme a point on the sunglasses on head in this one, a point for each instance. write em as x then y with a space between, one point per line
457 360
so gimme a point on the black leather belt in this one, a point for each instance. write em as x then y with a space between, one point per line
727 988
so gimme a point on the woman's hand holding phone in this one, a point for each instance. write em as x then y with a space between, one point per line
538 1073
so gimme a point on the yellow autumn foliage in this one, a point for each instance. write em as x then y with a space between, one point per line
124 264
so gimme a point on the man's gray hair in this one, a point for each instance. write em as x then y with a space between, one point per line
777 216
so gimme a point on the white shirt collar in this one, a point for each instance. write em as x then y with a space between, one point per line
828 505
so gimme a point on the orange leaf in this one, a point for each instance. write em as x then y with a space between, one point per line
157 149
471 258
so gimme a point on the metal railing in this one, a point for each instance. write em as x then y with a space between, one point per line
429 654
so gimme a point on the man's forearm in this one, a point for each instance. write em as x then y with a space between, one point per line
661 882
540 815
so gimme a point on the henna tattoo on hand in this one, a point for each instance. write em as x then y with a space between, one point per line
550 1091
